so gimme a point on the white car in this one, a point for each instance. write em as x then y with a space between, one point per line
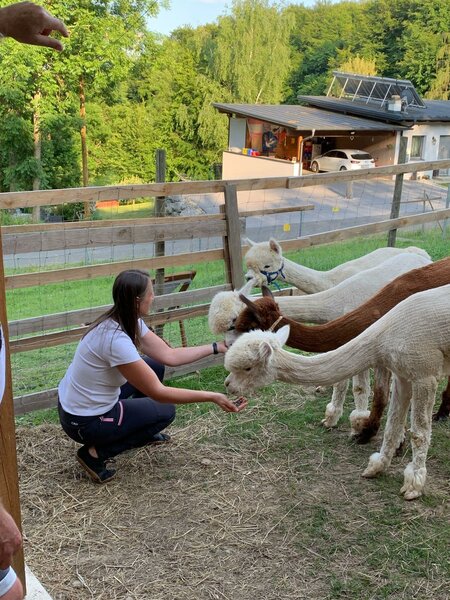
342 160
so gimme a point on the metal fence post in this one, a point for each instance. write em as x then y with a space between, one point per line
447 204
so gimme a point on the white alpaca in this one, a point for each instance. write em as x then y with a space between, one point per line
412 340
320 308
265 263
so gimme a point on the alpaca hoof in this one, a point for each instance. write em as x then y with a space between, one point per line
414 482
358 420
332 416
375 467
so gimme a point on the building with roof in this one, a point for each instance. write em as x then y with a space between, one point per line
360 112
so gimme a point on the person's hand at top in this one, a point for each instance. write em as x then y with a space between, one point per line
31 24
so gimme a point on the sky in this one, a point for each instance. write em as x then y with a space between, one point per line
194 13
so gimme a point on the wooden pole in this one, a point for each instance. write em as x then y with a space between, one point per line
160 211
397 197
232 241
9 480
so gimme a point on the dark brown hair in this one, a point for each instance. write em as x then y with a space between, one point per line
128 289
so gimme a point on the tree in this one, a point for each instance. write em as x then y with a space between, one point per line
440 86
250 57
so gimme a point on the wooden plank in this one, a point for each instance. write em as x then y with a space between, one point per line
79 317
275 211
48 340
372 228
144 222
49 398
108 269
9 480
398 187
13 200
232 241
89 238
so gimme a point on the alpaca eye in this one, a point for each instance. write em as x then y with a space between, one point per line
248 369
266 266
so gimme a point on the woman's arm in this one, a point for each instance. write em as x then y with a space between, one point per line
141 376
156 348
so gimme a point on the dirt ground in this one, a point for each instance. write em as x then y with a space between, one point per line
215 515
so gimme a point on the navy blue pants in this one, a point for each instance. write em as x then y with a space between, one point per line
131 423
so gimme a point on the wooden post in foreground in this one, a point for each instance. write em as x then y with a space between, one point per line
160 211
232 242
9 480
397 197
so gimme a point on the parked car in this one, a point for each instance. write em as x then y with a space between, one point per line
342 160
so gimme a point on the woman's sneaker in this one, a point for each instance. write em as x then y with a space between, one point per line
95 467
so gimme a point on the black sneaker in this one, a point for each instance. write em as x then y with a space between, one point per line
159 438
96 467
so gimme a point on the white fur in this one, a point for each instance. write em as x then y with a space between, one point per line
319 308
268 256
412 341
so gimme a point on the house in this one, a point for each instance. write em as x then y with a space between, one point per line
361 112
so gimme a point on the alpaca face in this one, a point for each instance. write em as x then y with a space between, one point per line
262 259
250 360
223 310
260 314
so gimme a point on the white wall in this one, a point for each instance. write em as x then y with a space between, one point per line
430 150
240 166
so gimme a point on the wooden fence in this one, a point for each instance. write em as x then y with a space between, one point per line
66 327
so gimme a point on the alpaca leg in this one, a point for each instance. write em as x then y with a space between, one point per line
423 397
444 409
361 393
395 427
334 409
370 426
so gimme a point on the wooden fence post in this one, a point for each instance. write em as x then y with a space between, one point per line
232 241
9 480
160 211
397 197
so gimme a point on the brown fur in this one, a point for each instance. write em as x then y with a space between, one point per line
263 313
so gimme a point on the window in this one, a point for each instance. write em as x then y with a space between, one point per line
417 146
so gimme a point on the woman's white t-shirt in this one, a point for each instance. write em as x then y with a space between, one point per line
92 383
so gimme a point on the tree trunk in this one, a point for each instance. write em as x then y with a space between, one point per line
37 140
84 149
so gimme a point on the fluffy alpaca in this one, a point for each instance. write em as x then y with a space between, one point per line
316 308
412 341
265 263
264 313
322 307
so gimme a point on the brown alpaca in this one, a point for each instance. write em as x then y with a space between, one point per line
264 314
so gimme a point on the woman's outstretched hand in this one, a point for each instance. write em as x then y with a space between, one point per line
229 405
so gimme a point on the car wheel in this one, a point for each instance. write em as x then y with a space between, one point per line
315 167
343 169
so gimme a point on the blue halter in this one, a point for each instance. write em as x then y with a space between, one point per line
272 276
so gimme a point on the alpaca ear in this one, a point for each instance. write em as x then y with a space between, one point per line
249 242
248 302
283 334
266 292
265 352
247 288
275 246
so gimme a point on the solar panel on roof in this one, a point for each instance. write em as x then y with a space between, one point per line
374 90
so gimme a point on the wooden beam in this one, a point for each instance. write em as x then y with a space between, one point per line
109 269
12 200
9 480
398 187
232 241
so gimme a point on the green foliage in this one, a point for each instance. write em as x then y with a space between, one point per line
143 91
